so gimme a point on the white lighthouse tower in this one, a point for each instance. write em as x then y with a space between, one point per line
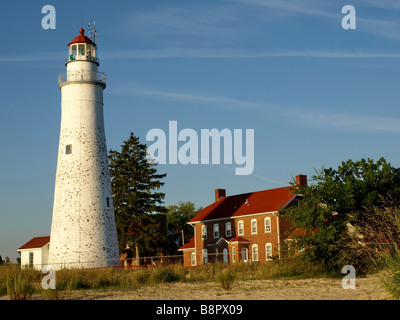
83 230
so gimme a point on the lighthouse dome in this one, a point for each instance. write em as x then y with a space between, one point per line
81 38
82 48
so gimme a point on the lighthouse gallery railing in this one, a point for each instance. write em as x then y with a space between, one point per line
82 76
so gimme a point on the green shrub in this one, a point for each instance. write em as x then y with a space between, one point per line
226 279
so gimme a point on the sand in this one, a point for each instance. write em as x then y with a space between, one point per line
368 288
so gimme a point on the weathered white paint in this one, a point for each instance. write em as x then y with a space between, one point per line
83 231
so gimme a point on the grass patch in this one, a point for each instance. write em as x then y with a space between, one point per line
69 280
18 287
226 278
164 275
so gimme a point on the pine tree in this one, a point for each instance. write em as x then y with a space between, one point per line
136 197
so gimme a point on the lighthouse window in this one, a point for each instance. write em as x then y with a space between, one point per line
81 49
108 201
68 149
89 51
73 52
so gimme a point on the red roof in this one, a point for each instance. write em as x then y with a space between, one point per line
239 239
81 38
188 245
36 242
245 204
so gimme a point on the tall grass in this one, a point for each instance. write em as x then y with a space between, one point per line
374 244
226 278
19 287
225 275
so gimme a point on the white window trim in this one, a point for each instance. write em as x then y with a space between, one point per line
268 257
204 232
233 254
240 233
251 225
228 229
205 256
265 224
254 252
193 260
215 230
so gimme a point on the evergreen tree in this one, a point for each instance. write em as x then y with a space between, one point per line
136 197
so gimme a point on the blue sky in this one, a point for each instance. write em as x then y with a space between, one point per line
314 93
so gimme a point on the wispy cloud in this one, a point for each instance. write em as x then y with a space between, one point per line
294 114
384 4
231 53
189 22
33 56
330 11
225 53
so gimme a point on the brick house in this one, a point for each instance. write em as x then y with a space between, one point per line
243 227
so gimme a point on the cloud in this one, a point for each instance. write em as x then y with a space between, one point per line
331 12
345 121
221 101
33 57
294 114
188 22
224 53
231 53
383 4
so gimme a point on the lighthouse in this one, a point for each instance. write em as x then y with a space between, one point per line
83 231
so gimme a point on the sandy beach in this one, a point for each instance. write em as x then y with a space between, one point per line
368 288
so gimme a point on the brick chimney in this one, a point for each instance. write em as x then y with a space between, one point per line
219 193
301 179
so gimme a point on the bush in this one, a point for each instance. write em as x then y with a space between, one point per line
226 279
164 274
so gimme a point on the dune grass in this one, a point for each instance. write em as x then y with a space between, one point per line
28 282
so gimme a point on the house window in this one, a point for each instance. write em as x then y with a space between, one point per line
205 256
228 229
216 254
216 230
193 258
267 225
254 252
268 251
253 226
225 255
204 232
30 259
240 228
68 149
233 254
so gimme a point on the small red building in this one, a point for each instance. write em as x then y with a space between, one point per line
243 227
